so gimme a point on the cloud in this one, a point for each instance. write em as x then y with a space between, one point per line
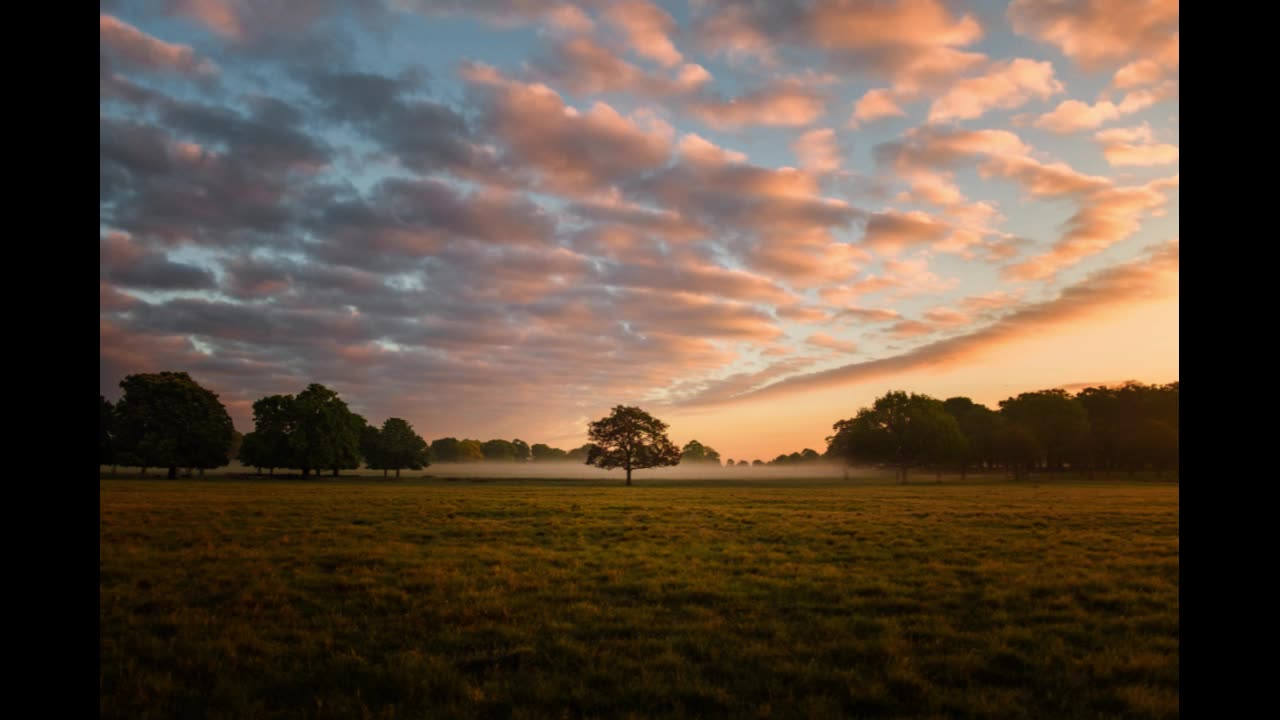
1151 276
648 29
1005 85
824 340
1135 146
584 66
782 104
891 232
1104 218
874 105
818 150
1098 33
129 47
1072 116
128 264
570 151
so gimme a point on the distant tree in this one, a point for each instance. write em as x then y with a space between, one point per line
1058 421
1020 450
809 455
326 435
106 419
898 429
545 453
401 447
579 454
729 463
757 462
349 455
498 451
632 439
744 463
237 441
446 450
521 450
696 452
982 428
168 420
268 445
470 451
371 448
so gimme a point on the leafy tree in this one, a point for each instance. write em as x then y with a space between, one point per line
274 421
446 450
106 421
900 430
371 448
349 456
1020 450
498 450
400 447
522 451
1058 421
982 428
729 463
326 435
545 453
758 462
809 455
470 451
580 454
632 439
168 420
696 452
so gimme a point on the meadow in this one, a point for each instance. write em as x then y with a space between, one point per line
546 598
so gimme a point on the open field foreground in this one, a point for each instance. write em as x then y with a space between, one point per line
546 599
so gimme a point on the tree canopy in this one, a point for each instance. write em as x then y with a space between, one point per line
696 452
398 446
166 419
900 430
632 439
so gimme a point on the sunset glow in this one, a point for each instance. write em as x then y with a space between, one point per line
501 219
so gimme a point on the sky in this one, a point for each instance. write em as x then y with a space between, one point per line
501 219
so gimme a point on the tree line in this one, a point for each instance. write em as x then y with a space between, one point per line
167 420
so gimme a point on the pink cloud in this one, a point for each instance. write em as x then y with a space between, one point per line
1005 85
130 46
785 104
818 151
823 340
1097 33
648 28
874 105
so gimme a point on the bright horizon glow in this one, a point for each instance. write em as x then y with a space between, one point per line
500 220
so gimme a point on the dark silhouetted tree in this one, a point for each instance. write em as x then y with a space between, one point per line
759 463
268 445
106 421
326 435
1058 421
168 420
371 449
632 439
521 451
579 454
545 453
900 430
498 451
401 447
470 451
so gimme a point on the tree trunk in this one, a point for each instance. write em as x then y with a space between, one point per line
384 472
628 476
271 472
173 472
397 473
306 471
113 471
201 472
335 472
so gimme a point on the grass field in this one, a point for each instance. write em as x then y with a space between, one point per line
546 599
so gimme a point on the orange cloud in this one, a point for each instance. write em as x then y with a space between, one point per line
785 104
128 45
824 340
648 28
1152 276
1005 85
1096 33
817 150
874 105
1072 116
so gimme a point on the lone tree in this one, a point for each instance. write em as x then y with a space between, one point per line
632 439
400 447
167 420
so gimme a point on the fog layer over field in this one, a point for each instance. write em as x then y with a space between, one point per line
689 471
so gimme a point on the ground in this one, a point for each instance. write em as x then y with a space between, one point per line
1048 598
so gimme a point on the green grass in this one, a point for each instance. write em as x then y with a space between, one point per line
544 599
